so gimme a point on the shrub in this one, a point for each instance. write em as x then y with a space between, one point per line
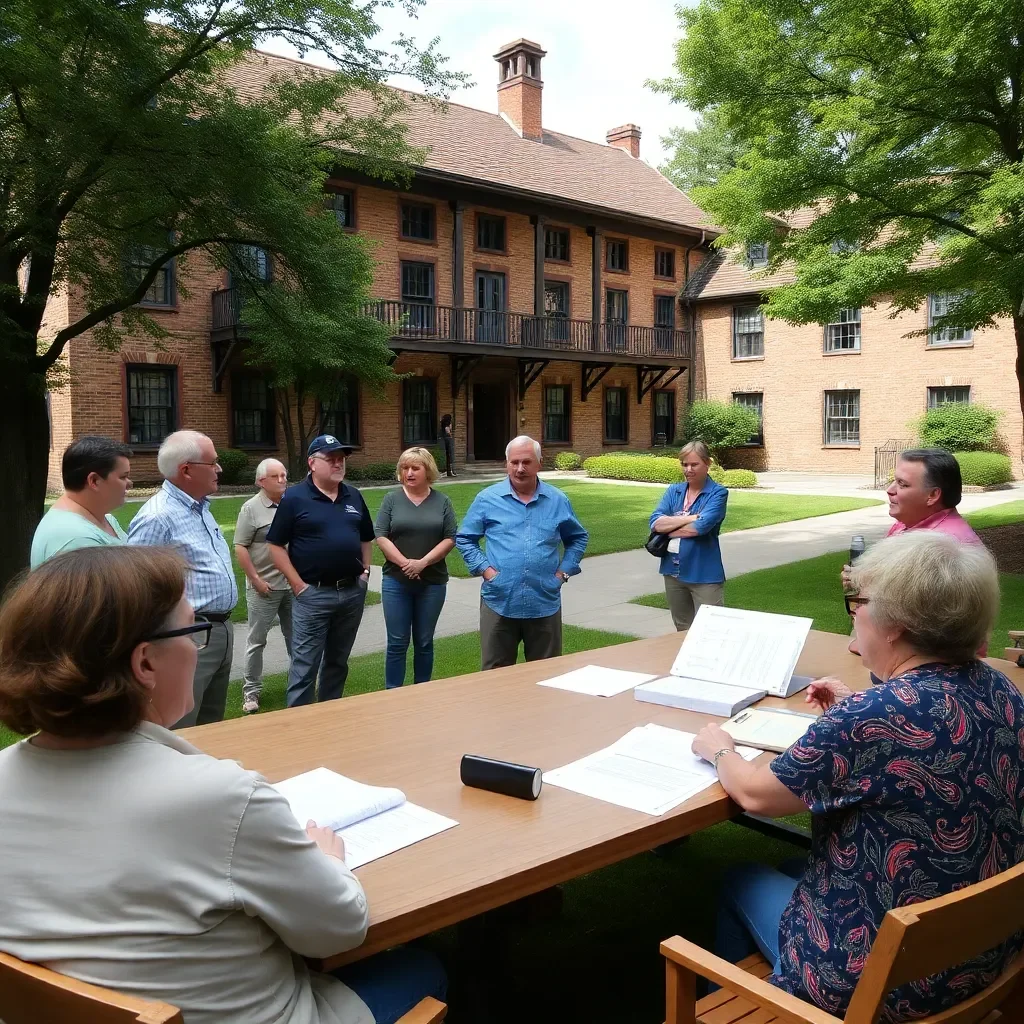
567 461
371 471
984 469
720 424
233 465
739 478
716 472
648 469
959 427
437 454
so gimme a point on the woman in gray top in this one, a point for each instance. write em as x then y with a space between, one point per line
415 530
130 859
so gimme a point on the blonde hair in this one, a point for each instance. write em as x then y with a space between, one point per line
419 456
943 594
698 448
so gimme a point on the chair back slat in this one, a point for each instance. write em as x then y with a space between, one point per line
31 994
925 938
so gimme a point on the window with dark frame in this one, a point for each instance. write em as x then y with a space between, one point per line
252 410
255 262
958 395
418 295
152 403
161 290
556 244
616 427
747 332
557 406
340 416
617 254
556 310
757 255
343 203
616 311
418 222
664 424
490 232
419 411
753 400
842 418
940 305
843 334
665 263
664 322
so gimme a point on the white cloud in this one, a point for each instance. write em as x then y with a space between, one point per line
599 54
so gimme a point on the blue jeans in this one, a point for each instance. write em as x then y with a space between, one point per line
752 901
410 608
393 982
324 626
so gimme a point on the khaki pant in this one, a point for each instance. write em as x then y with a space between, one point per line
685 598
210 683
500 638
262 610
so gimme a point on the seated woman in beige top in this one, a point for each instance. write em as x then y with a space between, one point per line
130 859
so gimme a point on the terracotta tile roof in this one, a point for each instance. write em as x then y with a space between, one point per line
484 147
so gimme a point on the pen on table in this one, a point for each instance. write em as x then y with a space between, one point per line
739 718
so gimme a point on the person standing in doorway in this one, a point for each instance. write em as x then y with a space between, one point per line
96 476
267 594
179 516
524 522
320 541
691 513
415 530
448 440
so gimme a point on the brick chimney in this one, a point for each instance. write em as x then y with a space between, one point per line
520 87
627 137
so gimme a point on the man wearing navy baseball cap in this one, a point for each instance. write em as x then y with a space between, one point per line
321 540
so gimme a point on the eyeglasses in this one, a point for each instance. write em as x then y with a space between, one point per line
198 633
853 603
194 463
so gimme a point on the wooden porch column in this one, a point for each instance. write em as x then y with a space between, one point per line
538 266
595 285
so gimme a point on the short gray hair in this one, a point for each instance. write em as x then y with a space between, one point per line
943 594
264 468
522 439
180 447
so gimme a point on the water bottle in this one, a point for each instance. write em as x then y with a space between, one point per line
857 548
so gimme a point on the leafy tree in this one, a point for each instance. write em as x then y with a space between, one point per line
702 154
720 425
120 135
899 124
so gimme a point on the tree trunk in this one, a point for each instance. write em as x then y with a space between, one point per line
24 463
1018 333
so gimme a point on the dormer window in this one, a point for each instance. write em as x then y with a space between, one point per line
757 254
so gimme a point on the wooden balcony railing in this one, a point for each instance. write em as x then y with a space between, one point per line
522 331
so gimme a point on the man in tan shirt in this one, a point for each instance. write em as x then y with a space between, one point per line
267 593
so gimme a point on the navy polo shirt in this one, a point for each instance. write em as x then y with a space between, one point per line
323 536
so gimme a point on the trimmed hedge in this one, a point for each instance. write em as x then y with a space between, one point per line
233 464
650 469
720 424
984 469
567 461
960 427
371 471
739 478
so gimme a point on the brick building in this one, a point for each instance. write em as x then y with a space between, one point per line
533 281
828 395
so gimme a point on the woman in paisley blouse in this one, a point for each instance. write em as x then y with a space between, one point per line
915 786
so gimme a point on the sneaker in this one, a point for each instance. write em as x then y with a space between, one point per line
250 705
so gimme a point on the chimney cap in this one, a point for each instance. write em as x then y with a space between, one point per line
519 46
624 131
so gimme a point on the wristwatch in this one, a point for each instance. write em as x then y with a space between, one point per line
722 753
563 576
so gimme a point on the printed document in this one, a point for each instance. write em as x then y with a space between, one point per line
597 681
651 769
755 650
372 820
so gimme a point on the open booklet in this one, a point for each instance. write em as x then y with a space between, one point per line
372 820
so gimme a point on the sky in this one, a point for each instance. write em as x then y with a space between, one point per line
599 54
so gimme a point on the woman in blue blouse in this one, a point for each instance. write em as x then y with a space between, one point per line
691 513
915 785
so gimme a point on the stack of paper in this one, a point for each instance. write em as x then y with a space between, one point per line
769 728
698 695
650 769
373 821
597 680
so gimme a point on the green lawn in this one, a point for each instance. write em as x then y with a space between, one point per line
811 587
615 516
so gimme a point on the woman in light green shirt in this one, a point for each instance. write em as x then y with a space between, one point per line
96 475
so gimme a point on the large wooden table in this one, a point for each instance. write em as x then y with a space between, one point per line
503 848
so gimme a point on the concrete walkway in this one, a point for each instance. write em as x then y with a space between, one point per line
599 597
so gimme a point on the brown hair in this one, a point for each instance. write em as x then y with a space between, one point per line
67 632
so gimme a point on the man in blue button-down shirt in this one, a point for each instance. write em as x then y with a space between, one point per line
524 521
178 516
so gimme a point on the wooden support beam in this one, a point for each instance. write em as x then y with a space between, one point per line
462 367
593 374
529 371
220 363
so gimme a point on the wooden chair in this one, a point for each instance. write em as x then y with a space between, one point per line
913 942
30 994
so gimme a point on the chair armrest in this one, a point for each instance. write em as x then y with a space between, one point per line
767 997
426 1011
